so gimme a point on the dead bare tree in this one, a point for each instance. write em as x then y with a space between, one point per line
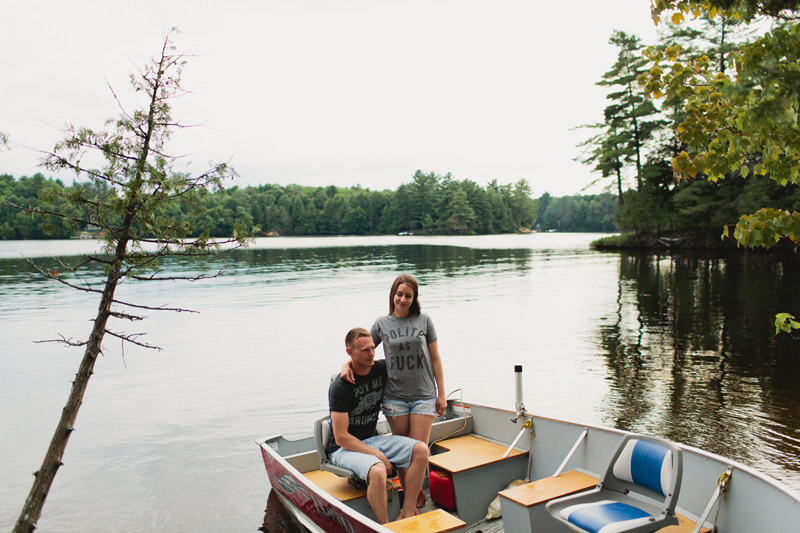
132 216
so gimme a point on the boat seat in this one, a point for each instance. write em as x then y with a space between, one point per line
322 433
524 506
438 521
473 470
637 493
468 452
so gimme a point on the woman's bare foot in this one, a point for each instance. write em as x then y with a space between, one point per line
421 500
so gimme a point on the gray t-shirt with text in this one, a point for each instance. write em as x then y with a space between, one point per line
408 361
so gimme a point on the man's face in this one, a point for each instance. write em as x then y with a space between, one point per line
363 353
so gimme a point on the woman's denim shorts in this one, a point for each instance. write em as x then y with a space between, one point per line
402 408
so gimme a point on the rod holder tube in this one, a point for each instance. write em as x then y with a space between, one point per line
519 404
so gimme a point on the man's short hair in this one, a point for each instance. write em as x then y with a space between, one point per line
353 334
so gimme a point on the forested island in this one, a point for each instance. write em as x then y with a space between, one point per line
430 204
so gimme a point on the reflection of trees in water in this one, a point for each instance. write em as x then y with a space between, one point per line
692 354
421 259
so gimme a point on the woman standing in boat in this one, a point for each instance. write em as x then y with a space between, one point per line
414 393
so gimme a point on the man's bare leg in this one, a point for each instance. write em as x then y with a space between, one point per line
376 492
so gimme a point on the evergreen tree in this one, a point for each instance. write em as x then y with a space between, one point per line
133 217
425 191
629 120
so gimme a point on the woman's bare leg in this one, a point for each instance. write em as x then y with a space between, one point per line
420 429
400 426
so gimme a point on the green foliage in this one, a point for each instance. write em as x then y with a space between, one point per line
615 242
453 207
588 213
741 123
784 322
630 121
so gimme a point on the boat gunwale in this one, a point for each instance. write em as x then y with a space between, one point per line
736 465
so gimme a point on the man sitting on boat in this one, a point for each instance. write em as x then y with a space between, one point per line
354 416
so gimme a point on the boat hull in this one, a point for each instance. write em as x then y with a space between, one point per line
314 509
752 501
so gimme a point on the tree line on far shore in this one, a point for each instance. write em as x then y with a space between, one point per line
429 204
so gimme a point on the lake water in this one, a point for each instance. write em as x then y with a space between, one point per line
680 346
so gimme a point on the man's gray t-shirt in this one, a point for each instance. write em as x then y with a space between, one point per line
408 361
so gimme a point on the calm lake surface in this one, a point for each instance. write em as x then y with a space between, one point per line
681 346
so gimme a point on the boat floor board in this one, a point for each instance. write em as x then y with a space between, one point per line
437 521
336 486
467 452
684 526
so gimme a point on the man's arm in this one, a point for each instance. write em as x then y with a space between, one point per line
342 436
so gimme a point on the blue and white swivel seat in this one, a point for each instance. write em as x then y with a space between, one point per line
637 493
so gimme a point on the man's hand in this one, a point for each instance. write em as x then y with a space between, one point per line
387 464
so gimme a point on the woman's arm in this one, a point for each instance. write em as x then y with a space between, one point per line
438 375
347 372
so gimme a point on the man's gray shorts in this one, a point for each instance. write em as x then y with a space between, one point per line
396 448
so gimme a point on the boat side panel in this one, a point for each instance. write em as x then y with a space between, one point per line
329 514
752 501
304 462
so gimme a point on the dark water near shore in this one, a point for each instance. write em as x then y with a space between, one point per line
680 346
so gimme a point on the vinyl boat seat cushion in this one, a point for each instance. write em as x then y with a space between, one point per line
648 467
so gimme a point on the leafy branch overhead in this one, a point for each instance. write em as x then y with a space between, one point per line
744 122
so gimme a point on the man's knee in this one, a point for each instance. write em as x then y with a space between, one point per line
420 452
377 474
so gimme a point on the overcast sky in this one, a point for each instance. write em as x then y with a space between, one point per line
329 92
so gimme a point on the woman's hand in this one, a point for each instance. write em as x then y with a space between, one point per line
441 405
347 373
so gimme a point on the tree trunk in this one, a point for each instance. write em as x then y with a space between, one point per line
32 509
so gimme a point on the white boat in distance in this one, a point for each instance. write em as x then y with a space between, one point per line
478 451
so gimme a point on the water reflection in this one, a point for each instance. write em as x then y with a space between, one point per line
277 519
680 346
692 355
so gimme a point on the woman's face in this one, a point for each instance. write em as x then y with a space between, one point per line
403 298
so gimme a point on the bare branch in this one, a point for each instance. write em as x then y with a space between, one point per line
125 316
64 340
154 277
57 276
151 308
131 338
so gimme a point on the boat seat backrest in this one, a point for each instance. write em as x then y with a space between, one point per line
645 463
322 434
